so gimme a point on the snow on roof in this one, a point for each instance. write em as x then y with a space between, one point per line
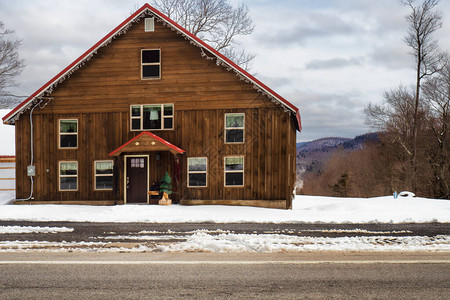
7 137
146 9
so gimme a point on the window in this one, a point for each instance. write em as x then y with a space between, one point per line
151 64
149 24
103 174
137 163
197 172
234 128
68 175
234 171
68 134
152 117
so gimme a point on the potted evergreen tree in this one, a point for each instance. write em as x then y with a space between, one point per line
165 188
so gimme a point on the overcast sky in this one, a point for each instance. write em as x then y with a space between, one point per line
328 57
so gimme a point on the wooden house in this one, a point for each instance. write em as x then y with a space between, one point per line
147 99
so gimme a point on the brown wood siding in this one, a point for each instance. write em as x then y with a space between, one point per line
99 95
111 80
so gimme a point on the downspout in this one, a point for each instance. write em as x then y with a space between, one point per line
31 151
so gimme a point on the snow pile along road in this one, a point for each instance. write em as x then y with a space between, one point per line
33 229
280 243
308 209
203 241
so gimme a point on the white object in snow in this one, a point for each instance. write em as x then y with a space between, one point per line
406 194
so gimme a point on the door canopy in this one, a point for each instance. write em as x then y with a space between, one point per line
147 142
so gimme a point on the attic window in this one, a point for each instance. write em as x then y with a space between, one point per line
149 24
151 64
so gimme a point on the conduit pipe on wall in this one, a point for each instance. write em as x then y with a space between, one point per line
31 151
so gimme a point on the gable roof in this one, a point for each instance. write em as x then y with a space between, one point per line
147 141
14 114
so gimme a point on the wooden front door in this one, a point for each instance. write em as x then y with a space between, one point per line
137 179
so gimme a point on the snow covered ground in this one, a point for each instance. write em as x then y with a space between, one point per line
306 209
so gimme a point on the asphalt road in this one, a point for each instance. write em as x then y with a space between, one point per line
233 276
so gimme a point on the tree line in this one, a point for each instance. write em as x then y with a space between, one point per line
413 150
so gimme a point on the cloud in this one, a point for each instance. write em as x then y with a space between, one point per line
309 26
330 114
392 55
333 63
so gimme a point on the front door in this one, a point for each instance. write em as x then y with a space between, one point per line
137 179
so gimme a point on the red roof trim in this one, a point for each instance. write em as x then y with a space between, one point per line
184 31
159 139
222 57
73 64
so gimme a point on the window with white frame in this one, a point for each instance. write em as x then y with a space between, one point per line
197 171
234 128
151 64
68 133
234 171
152 117
149 24
103 174
68 175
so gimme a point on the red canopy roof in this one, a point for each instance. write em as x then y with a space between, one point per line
145 142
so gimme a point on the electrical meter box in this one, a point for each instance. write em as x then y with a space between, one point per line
31 170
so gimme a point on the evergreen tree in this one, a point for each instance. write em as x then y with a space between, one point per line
166 184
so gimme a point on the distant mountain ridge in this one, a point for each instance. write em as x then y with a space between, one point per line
321 143
312 156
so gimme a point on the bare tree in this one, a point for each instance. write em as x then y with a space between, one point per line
423 21
10 65
436 91
214 21
395 116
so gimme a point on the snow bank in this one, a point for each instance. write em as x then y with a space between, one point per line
231 242
33 229
263 243
7 144
309 209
